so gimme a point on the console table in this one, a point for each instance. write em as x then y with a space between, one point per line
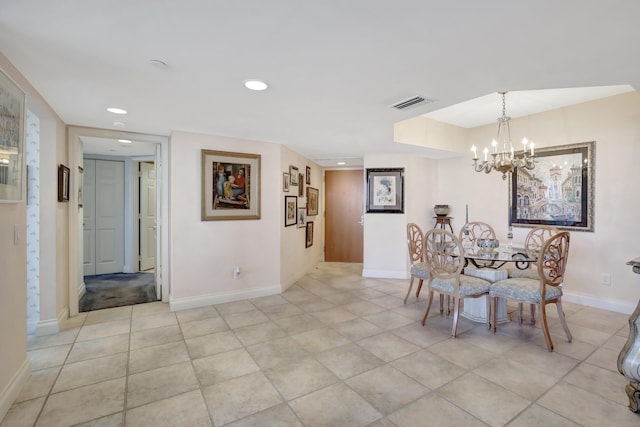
629 358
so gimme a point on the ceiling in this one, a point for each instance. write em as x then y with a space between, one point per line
334 68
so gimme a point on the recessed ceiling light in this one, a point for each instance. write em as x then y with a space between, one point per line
116 110
119 124
341 163
125 141
255 85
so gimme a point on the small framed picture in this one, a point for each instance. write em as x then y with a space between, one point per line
285 182
290 210
300 185
309 235
63 183
308 175
312 201
293 172
302 217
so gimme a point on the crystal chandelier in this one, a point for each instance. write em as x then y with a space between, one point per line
505 160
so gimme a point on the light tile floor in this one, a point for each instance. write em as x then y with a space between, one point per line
335 349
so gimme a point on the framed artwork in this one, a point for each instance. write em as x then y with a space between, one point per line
385 190
230 186
80 174
559 191
293 172
312 201
309 235
285 182
63 183
300 185
302 217
290 210
308 175
12 130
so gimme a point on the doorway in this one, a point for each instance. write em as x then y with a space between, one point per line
344 213
154 148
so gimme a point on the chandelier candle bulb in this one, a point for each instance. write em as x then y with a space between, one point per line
494 144
486 153
475 154
531 145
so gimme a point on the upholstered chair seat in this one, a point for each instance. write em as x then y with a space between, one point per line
469 285
545 289
524 289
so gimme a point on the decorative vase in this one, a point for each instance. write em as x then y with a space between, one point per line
441 210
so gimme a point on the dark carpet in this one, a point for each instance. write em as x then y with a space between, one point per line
117 289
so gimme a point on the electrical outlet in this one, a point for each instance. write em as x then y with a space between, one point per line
236 272
606 279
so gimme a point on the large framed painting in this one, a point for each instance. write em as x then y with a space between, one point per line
11 140
385 190
230 186
558 192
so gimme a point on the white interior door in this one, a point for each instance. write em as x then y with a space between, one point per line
109 216
89 217
147 216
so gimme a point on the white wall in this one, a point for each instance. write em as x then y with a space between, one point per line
614 123
385 241
203 253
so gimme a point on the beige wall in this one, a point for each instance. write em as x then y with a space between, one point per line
13 320
614 123
203 253
295 258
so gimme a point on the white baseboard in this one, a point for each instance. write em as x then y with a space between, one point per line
13 389
204 300
52 326
619 306
385 274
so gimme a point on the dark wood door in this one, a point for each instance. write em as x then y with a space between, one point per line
344 208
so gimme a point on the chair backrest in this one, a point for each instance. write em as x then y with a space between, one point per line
443 254
415 243
472 231
535 239
553 260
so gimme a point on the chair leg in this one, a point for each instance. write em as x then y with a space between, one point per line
429 300
494 309
520 312
533 313
545 327
419 287
442 303
456 310
489 312
563 321
409 291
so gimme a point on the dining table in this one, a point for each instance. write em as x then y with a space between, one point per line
492 265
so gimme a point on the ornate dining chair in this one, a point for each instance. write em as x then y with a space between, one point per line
472 231
416 256
545 289
532 245
443 255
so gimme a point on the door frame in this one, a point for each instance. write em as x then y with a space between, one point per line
74 147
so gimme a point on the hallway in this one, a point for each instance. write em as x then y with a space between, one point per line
335 349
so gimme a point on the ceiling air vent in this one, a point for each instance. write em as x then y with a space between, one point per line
411 102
